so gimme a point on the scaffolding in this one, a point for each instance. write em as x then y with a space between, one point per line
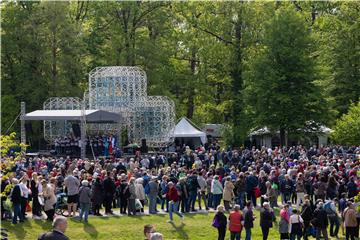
122 90
55 129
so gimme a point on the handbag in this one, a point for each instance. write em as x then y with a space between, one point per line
257 192
215 222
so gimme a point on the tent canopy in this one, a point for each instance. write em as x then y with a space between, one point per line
184 129
75 115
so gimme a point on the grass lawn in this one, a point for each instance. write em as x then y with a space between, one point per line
196 226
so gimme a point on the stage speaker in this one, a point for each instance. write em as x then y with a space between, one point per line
76 129
144 148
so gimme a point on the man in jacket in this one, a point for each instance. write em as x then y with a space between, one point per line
251 183
240 186
84 199
153 192
132 197
320 221
16 201
173 196
109 190
193 187
248 220
59 228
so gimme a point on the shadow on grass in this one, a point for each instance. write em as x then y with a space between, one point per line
17 229
45 225
180 230
91 230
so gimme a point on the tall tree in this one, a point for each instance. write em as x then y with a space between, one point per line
281 88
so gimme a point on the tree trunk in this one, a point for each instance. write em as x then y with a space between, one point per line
282 137
54 61
191 90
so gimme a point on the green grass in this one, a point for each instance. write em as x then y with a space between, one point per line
196 226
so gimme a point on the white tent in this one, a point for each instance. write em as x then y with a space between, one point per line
185 129
75 115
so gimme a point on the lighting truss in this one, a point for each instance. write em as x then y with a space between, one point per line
54 129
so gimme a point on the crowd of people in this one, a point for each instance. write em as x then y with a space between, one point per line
100 145
313 187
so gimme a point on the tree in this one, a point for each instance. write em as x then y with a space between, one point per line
281 88
347 128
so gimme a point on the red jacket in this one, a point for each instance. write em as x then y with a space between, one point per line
172 194
235 221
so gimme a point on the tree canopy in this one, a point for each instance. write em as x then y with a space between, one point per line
244 64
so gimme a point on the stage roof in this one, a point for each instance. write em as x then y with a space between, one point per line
74 115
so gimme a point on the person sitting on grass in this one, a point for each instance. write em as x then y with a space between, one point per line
59 228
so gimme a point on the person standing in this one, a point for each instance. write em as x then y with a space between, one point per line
24 195
34 186
193 187
173 197
216 191
306 215
235 223
228 193
220 222
320 221
153 193
300 190
251 183
50 199
140 192
132 197
266 219
97 196
72 185
248 220
296 225
350 222
58 232
109 190
240 187
15 196
284 223
202 191
84 199
334 218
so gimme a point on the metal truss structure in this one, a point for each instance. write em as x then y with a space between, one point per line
54 129
152 118
122 90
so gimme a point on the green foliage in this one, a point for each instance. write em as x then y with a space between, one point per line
281 89
211 58
347 128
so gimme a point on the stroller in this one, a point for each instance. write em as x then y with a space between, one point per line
61 204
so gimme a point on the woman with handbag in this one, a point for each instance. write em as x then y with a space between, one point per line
284 223
296 225
220 222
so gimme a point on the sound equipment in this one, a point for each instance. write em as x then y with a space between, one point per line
144 148
76 129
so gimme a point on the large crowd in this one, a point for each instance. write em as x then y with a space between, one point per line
313 188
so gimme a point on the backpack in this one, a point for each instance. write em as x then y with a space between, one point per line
327 208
